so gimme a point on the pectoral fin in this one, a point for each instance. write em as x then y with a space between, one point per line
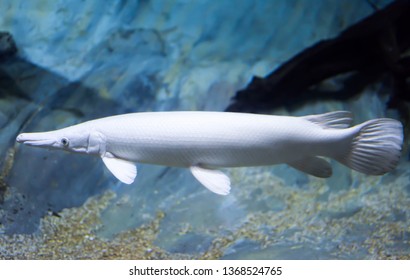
214 180
314 166
123 170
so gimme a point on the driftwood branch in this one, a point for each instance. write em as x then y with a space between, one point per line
368 49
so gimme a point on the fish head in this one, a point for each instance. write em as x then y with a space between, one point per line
68 139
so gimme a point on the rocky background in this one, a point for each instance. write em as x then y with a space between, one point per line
65 62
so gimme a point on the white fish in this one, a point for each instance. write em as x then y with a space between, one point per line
205 141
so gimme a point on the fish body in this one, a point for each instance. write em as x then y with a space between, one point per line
205 141
185 139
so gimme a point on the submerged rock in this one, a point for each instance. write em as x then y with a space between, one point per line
86 60
8 47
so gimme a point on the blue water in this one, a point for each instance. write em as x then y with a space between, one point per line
85 60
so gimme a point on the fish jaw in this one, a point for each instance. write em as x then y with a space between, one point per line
35 139
40 139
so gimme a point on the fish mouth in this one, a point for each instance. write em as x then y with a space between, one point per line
35 139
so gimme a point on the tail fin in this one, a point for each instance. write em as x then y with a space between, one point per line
376 148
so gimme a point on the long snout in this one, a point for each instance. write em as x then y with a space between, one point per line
40 139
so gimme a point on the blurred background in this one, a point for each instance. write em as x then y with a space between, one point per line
65 62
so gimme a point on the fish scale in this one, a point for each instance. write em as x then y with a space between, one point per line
205 141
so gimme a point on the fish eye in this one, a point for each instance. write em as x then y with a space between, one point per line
65 142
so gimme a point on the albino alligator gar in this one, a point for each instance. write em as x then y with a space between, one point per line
204 141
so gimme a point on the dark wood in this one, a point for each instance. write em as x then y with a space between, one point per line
367 50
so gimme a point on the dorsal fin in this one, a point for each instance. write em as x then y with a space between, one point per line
337 119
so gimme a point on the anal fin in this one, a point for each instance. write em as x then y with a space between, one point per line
123 170
214 180
315 166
